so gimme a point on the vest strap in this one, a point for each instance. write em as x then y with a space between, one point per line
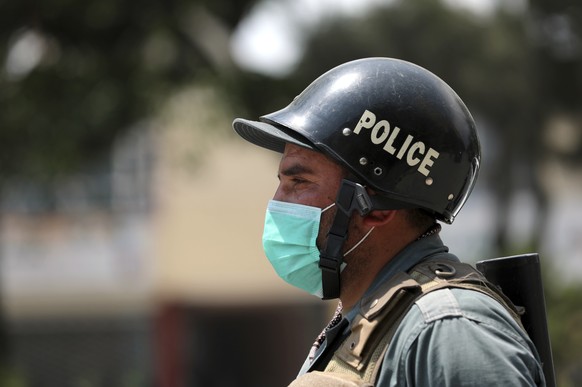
373 328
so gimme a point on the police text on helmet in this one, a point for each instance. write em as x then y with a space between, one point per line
382 132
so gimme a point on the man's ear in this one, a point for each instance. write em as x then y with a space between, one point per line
378 218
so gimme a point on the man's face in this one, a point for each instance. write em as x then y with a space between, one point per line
309 178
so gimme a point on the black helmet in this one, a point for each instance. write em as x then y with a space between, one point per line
399 128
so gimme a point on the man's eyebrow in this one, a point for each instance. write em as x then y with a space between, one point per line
295 169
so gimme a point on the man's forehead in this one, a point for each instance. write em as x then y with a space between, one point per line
294 152
302 152
292 149
297 161
305 160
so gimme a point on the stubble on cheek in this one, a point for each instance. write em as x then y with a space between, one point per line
356 262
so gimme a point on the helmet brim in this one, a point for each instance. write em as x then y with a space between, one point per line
267 135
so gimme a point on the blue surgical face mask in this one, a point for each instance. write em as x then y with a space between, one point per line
289 241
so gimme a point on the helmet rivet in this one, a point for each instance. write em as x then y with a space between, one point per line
378 171
428 181
346 132
363 161
451 197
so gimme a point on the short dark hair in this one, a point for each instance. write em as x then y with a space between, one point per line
417 217
420 219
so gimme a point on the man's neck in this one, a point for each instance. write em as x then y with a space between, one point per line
370 263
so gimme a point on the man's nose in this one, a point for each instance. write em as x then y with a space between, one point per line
279 195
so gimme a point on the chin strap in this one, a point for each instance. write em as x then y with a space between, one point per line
351 196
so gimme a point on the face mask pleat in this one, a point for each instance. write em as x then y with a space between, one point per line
289 240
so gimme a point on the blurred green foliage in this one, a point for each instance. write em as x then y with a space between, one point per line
76 74
564 306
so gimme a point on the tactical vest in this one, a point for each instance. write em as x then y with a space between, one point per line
357 360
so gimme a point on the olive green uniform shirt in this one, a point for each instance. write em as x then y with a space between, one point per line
450 337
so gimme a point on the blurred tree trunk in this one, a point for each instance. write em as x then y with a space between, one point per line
5 344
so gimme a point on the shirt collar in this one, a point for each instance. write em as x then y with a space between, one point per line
429 247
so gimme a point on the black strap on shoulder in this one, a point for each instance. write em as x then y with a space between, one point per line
520 278
372 330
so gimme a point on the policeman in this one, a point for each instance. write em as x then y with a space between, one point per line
376 154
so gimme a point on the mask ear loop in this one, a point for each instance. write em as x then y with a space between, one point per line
360 242
328 207
351 197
